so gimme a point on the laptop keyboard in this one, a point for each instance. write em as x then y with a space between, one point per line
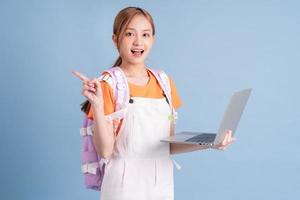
202 138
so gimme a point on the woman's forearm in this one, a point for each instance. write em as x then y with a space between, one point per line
184 148
103 136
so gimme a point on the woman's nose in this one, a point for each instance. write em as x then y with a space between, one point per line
137 40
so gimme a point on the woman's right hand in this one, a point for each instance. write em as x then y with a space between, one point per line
91 89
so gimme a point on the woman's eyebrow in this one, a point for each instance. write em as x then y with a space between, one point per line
135 29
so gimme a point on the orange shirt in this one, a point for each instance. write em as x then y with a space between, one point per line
151 90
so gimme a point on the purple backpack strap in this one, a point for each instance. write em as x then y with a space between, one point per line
164 83
120 87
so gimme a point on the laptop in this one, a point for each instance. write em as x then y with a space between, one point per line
230 121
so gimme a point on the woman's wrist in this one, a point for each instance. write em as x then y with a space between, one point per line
97 106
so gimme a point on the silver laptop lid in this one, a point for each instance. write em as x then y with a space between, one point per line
233 113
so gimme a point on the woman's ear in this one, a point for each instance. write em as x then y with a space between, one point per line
114 39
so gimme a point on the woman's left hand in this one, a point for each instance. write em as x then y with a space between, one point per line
228 139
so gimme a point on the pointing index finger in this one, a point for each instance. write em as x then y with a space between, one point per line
80 76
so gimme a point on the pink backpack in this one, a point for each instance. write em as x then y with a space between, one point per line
92 165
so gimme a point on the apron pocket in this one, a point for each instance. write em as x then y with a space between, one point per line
115 174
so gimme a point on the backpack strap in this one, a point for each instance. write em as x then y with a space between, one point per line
120 87
116 79
164 83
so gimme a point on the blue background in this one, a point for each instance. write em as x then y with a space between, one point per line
210 49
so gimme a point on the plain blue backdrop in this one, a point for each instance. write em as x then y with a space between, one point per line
210 49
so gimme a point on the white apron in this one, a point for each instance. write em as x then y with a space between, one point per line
140 167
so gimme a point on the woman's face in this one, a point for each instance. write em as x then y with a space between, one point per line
136 41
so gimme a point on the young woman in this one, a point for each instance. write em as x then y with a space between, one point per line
139 164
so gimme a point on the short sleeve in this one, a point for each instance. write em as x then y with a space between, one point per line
176 101
108 100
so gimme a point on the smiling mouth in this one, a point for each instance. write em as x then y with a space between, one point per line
137 52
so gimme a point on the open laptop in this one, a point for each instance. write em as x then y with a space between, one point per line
230 121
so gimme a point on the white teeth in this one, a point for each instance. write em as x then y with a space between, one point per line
137 51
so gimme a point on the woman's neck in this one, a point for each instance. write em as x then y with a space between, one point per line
134 70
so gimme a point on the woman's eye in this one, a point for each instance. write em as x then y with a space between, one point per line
128 34
146 35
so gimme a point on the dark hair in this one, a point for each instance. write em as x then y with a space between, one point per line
121 22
